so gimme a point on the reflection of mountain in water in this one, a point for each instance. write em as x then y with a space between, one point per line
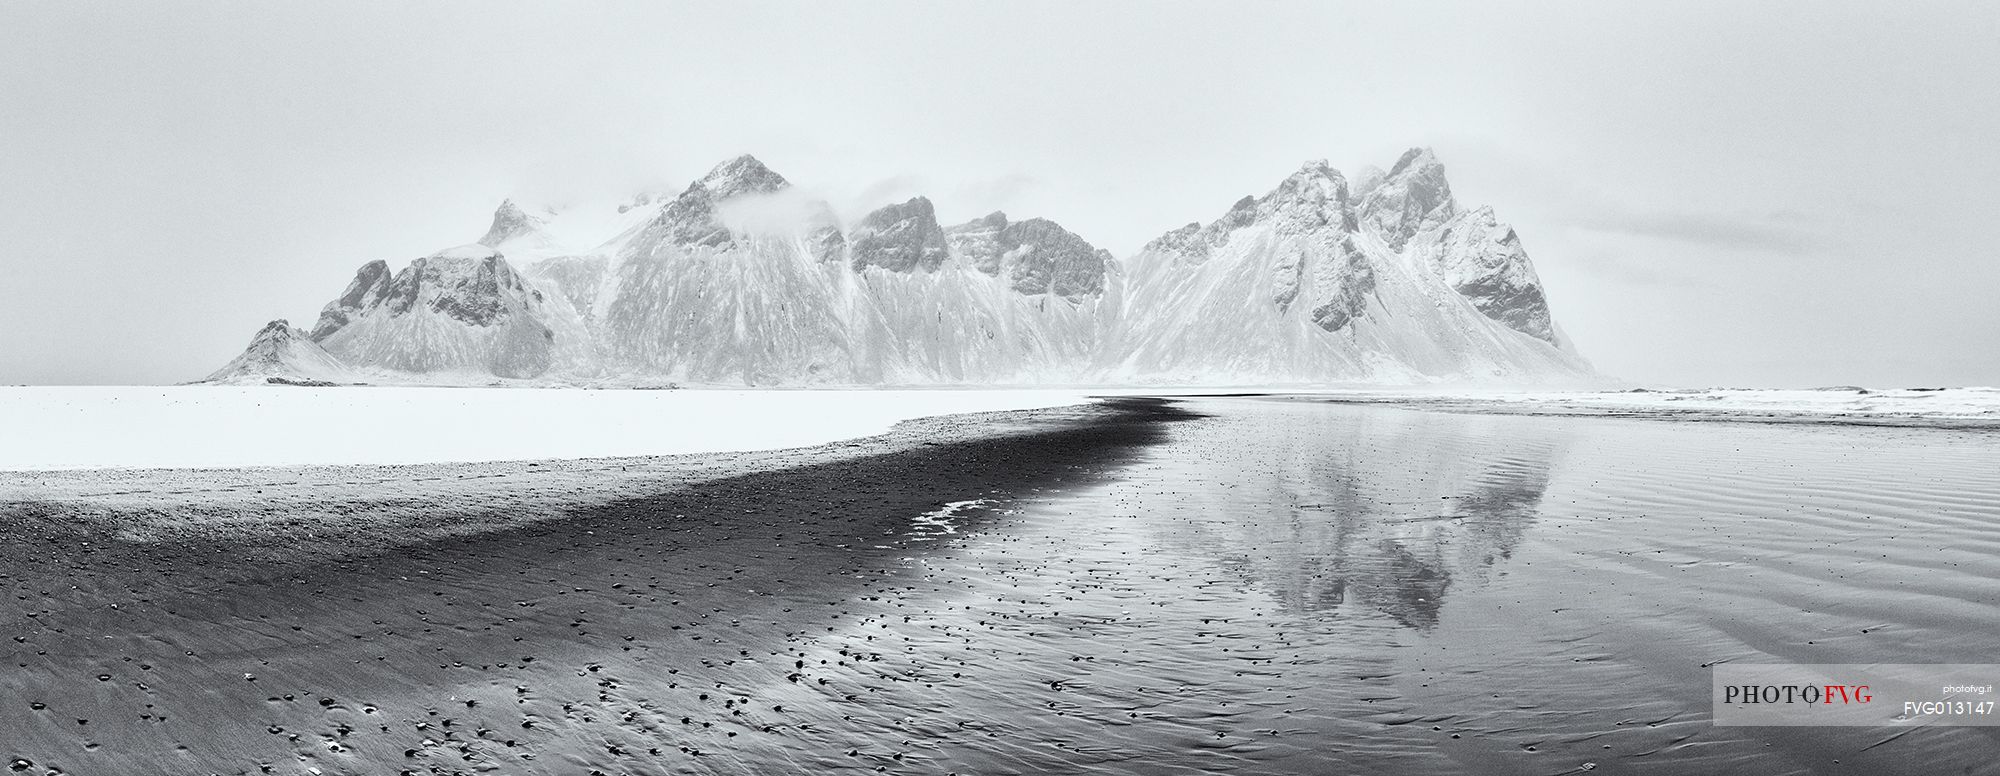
1326 508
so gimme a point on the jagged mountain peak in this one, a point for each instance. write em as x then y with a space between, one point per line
978 240
510 222
472 284
1315 196
1413 197
1317 169
280 353
1317 176
919 202
1315 278
1417 158
1174 241
901 237
463 309
1056 261
466 282
742 175
278 331
1036 256
369 287
691 219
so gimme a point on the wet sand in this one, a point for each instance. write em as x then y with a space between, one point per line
1224 584
467 624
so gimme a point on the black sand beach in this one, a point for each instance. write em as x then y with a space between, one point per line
1215 585
363 634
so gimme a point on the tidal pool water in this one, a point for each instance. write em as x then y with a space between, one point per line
1296 587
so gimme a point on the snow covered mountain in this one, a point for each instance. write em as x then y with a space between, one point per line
461 313
741 279
281 353
1317 281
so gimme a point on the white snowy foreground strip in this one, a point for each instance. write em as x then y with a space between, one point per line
49 428
1943 404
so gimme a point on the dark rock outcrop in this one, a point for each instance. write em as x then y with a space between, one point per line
1414 197
369 287
901 238
1036 256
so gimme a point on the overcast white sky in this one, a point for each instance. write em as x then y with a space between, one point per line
1714 193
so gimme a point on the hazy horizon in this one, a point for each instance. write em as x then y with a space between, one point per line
1712 194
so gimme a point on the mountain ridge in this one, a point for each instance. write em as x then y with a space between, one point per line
742 280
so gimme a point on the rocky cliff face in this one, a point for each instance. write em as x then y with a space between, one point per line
1035 256
369 287
1482 259
462 311
899 238
739 279
1412 198
512 224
